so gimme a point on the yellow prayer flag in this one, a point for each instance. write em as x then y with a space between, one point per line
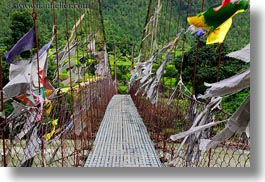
49 135
219 34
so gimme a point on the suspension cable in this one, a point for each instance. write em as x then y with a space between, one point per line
70 70
196 61
162 32
68 47
184 39
178 25
170 22
58 73
76 39
34 16
56 43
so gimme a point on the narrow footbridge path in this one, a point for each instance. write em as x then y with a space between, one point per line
122 139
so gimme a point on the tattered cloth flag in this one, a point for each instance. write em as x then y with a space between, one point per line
242 54
24 44
24 76
48 136
150 84
237 123
228 86
218 23
31 149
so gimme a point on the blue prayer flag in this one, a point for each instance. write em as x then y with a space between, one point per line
24 44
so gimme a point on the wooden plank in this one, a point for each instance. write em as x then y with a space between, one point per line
122 139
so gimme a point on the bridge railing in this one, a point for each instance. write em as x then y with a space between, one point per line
163 120
65 136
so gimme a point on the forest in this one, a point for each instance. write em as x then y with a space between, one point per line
124 22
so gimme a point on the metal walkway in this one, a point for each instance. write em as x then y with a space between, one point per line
122 139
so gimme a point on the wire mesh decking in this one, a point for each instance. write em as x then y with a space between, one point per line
122 139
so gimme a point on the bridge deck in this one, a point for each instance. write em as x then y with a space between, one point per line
122 139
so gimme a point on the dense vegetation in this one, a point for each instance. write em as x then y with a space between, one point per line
204 58
124 22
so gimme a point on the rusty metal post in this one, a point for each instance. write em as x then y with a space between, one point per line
61 138
209 158
90 109
2 116
92 117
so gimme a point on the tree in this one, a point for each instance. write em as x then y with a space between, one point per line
21 22
207 57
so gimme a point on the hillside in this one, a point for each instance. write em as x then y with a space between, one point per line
124 20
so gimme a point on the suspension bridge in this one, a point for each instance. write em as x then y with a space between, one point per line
101 110
122 139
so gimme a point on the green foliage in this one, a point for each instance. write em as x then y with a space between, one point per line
124 21
17 20
21 22
205 59
231 103
123 67
8 108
